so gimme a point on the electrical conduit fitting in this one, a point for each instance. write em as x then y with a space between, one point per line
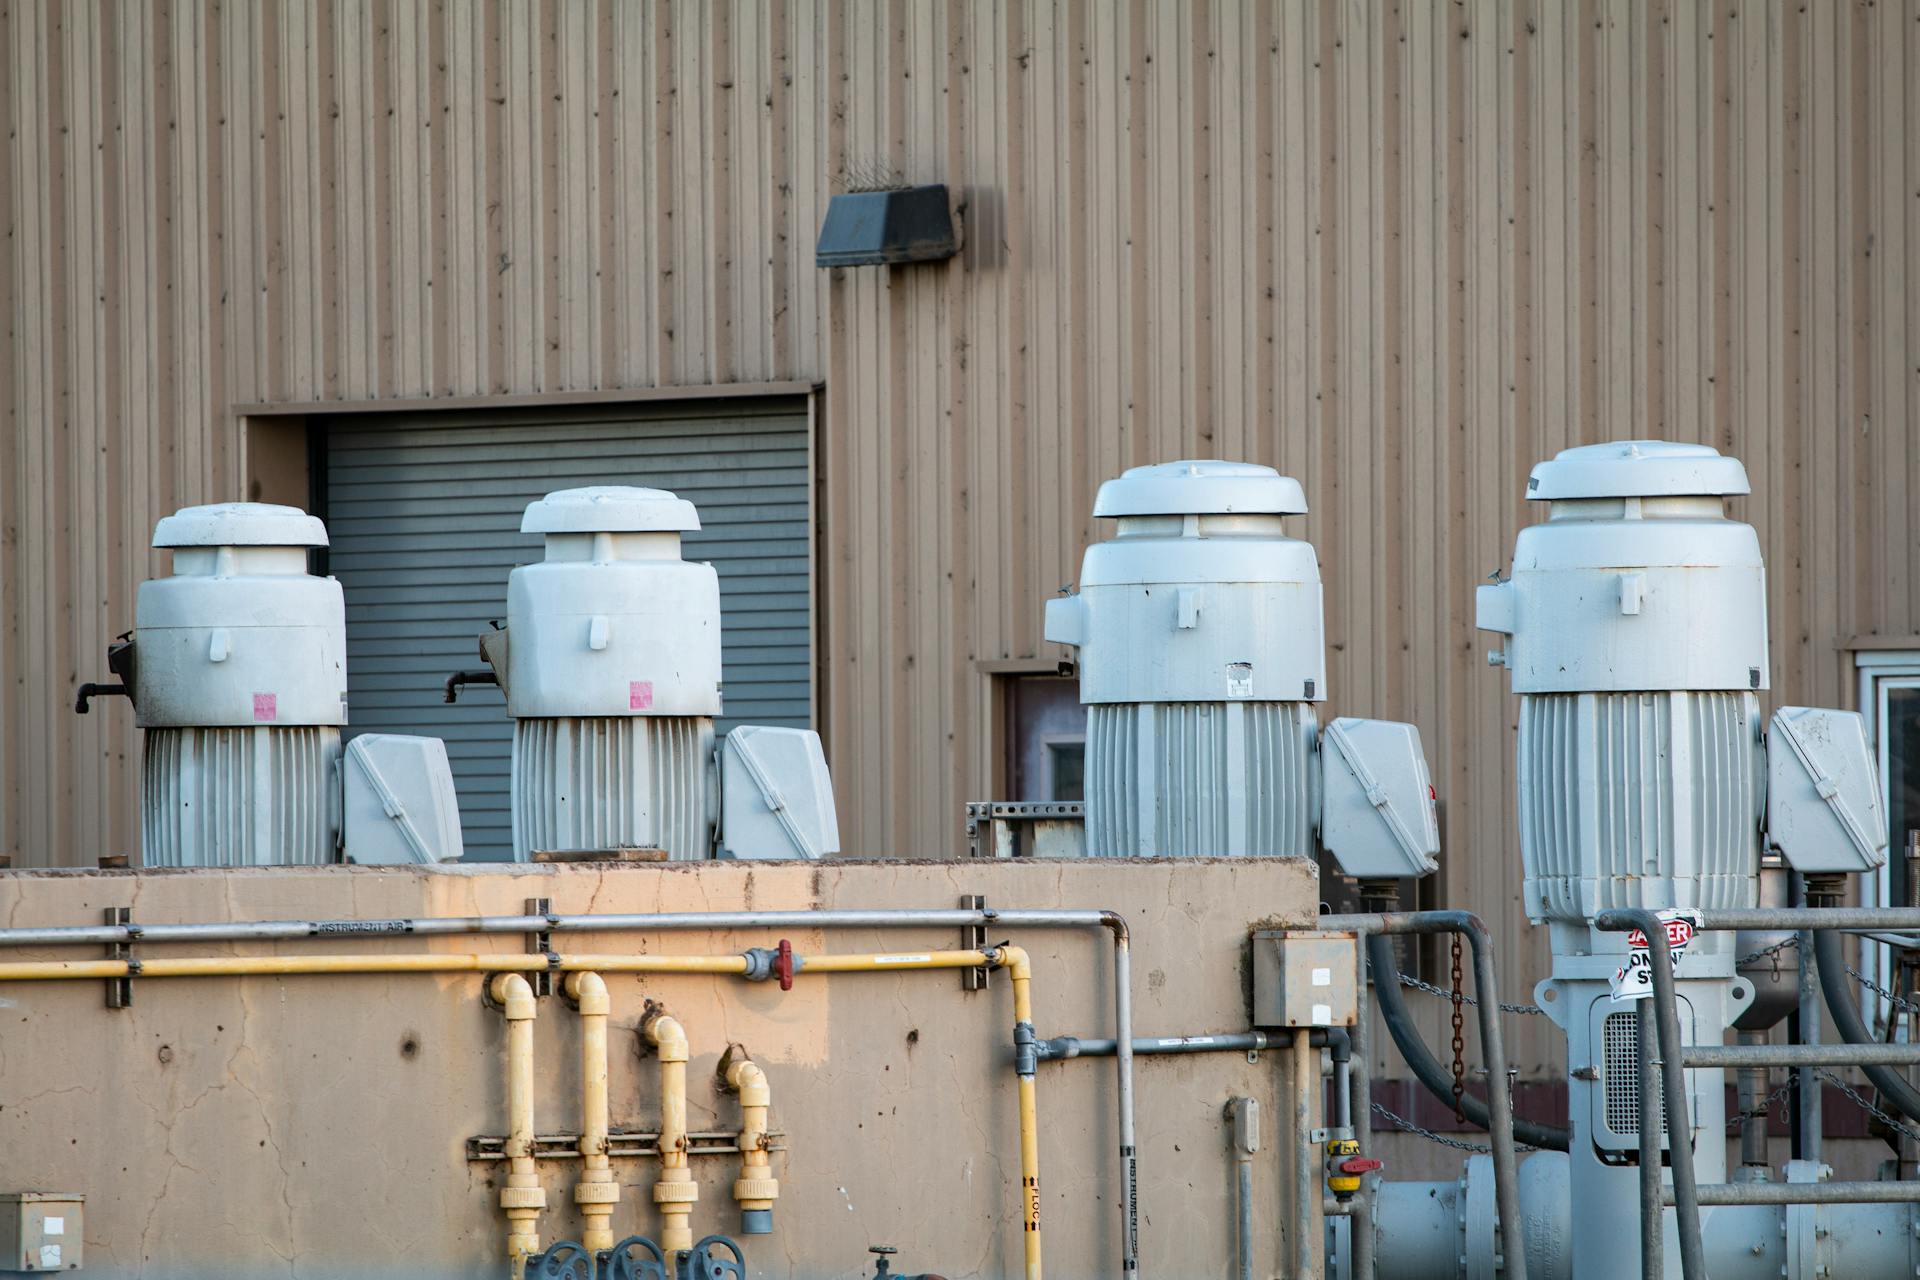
756 1189
522 1198
596 1193
676 1190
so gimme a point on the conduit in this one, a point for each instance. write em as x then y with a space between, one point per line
1832 965
676 1190
756 1188
522 1198
596 1193
1426 1068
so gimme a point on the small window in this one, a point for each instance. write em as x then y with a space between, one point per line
1046 738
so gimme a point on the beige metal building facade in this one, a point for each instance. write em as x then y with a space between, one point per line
1399 250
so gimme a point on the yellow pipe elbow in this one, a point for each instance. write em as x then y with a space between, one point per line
756 1189
676 1190
521 1198
596 1193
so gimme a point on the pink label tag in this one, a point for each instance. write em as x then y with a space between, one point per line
266 706
640 695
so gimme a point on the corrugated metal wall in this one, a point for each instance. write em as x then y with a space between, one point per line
1400 250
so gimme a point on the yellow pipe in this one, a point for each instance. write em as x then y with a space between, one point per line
676 1190
1026 1061
522 1198
596 1193
756 1189
291 966
889 963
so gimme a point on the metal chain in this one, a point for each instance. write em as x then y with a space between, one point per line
1899 1001
1784 944
1765 1107
1459 1038
1866 1104
1408 980
1401 1122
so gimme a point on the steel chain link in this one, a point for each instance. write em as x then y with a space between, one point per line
1898 1001
1408 980
1459 1038
1401 1122
1866 1104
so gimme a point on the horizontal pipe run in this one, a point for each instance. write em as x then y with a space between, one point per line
1063 1047
1730 1193
444 926
1799 1055
290 966
1798 918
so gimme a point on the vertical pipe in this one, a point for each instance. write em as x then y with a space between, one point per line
1506 1170
1306 1188
1652 1218
1123 1068
1243 1123
1753 1116
1026 1063
596 1193
522 1198
1686 1202
676 1190
756 1189
1360 1230
1811 1120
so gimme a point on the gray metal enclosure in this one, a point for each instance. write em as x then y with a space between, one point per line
424 512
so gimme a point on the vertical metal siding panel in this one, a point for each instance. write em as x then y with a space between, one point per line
411 168
578 178
1892 370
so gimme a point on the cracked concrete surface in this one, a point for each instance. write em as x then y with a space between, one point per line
280 1128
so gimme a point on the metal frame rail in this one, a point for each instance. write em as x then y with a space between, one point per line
1493 1051
1686 1195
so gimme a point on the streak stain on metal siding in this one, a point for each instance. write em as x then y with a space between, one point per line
1399 251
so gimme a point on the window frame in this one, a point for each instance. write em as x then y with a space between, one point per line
1877 671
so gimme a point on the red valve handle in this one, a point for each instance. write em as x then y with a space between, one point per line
783 965
1354 1166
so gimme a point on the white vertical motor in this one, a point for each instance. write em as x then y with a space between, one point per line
613 677
237 670
1636 628
611 668
239 677
1201 655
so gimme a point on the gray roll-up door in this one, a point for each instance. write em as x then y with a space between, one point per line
424 515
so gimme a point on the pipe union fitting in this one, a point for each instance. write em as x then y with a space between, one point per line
585 1193
523 1198
675 1192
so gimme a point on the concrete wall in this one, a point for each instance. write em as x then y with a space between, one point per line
316 1126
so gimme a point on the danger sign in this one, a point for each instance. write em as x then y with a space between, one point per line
1634 981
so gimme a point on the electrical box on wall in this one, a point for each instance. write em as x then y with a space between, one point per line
40 1231
1303 979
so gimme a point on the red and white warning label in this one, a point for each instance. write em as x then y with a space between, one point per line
266 706
639 695
1634 981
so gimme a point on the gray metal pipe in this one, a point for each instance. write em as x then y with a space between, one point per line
1728 1056
1725 1193
609 922
1753 1112
1061 1048
1306 1186
1492 1048
1893 1087
1653 1243
1693 1265
1360 1071
1854 919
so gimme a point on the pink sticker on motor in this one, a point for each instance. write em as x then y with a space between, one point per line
266 706
640 695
